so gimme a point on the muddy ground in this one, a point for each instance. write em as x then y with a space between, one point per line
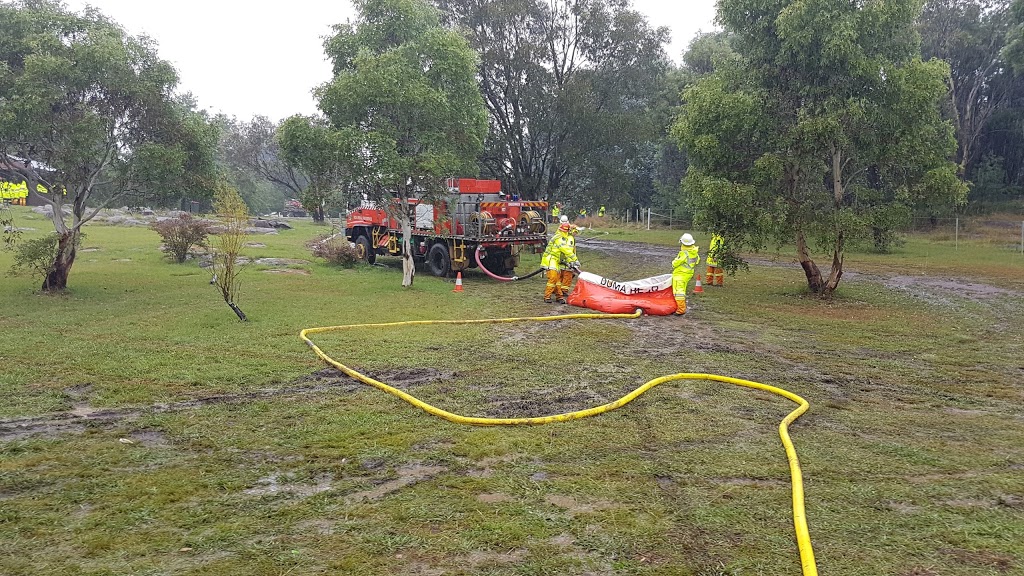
636 256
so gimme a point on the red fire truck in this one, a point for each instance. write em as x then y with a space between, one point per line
477 224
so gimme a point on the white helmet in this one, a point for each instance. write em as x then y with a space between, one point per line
564 219
686 240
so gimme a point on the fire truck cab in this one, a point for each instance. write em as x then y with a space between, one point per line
475 222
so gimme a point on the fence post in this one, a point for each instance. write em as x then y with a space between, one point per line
648 218
1022 237
956 235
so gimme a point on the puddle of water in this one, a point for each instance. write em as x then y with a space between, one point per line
272 485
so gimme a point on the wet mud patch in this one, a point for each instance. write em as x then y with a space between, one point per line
78 391
573 507
412 377
149 438
485 468
520 332
1001 562
545 403
947 286
651 338
407 476
81 416
647 254
496 498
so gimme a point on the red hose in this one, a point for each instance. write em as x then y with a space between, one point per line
476 254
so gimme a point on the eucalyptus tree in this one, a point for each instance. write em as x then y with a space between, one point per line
823 130
970 36
404 99
250 151
320 152
85 106
568 86
1013 51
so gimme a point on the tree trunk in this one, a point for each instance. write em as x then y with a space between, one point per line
814 281
318 214
837 268
408 264
57 276
238 312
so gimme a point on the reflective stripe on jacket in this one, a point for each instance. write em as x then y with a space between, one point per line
568 255
549 261
560 252
686 261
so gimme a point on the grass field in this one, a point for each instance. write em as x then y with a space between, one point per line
144 430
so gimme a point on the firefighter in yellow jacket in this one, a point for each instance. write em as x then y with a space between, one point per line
682 270
560 253
570 263
715 276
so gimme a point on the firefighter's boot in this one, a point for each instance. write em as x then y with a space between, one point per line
681 306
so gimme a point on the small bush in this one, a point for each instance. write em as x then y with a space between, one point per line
336 249
34 257
181 234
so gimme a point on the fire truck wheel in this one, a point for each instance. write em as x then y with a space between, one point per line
365 252
438 260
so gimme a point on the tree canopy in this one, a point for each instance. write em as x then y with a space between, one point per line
822 131
321 154
84 106
251 157
568 86
405 98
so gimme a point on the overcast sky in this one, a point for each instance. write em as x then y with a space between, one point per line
248 58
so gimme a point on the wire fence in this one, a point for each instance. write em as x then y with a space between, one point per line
1003 233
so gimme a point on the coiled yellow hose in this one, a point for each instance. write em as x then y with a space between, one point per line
799 515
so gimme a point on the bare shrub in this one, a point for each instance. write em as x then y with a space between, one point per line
233 213
181 234
336 249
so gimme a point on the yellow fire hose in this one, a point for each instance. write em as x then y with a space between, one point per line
803 538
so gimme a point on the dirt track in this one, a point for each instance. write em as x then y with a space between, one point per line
934 289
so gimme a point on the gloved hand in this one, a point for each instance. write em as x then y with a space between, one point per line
575 266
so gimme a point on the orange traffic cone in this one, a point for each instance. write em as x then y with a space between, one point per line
458 282
698 289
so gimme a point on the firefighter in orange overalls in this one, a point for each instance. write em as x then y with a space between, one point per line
682 270
569 266
559 252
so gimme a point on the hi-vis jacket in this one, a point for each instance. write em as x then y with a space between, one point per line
560 253
716 244
685 263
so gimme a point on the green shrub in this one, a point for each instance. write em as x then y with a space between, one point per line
35 257
181 234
